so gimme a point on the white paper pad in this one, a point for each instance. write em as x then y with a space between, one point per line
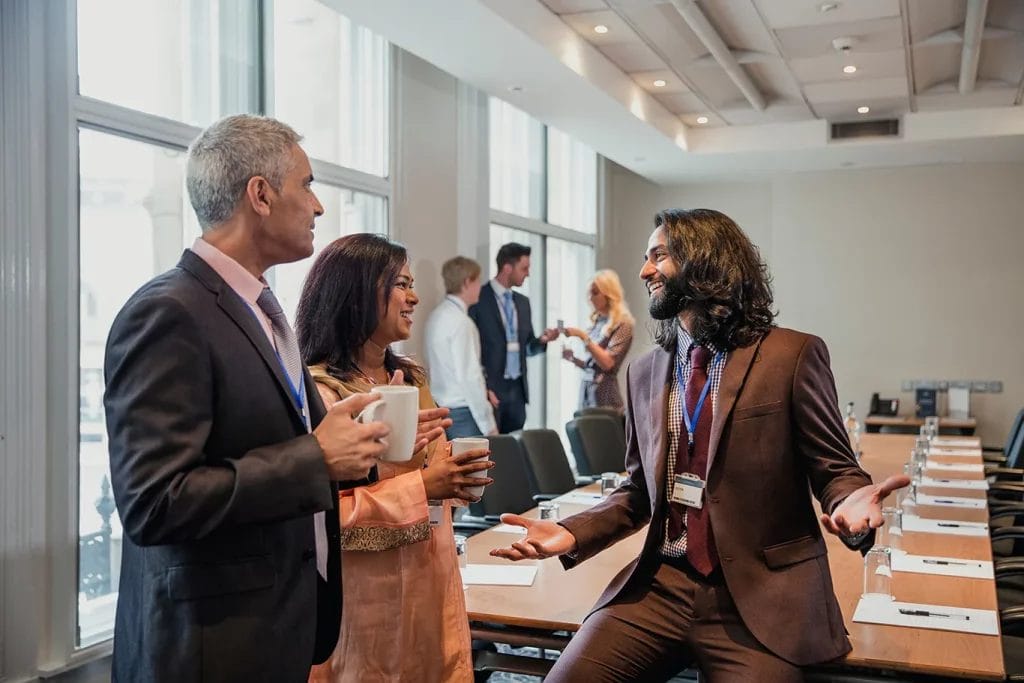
961 619
498 575
951 501
944 566
943 526
509 529
979 484
953 468
958 452
577 498
949 442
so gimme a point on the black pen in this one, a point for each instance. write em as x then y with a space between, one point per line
963 564
943 500
948 524
926 613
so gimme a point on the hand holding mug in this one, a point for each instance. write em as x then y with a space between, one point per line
452 475
350 449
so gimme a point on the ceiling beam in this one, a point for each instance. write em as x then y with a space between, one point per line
908 56
707 34
974 27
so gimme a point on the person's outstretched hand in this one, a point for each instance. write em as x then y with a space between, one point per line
862 509
543 539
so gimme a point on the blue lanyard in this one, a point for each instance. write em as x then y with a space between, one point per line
695 419
299 395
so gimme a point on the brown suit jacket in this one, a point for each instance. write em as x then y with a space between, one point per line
776 437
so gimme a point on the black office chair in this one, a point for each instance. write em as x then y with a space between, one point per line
598 444
510 491
1012 626
548 464
613 413
1012 468
999 456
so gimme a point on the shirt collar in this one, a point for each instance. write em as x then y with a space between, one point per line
245 284
499 289
684 341
457 300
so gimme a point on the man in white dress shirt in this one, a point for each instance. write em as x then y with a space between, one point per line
453 353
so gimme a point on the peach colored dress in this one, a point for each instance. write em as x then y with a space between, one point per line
404 614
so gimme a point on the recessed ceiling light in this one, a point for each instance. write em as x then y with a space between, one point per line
863 110
515 88
849 69
702 120
601 28
659 83
827 6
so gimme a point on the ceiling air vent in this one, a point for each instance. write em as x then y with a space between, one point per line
882 128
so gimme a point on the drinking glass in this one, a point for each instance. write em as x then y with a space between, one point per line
890 534
878 575
609 482
547 510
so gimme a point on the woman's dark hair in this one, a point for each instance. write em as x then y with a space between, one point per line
340 305
721 278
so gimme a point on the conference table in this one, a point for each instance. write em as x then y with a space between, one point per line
908 424
558 600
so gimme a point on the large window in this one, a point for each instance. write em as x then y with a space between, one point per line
169 68
544 194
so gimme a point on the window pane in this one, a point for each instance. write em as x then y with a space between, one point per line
187 60
517 161
331 84
132 201
345 212
534 289
572 183
570 268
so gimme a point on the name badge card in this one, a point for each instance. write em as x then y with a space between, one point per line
435 510
688 490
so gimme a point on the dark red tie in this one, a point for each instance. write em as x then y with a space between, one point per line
700 542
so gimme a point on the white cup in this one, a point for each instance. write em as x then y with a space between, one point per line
398 407
472 443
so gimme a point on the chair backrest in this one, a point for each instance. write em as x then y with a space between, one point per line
598 443
1015 453
614 413
1011 436
546 459
510 491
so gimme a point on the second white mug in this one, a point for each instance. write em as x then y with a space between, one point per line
398 407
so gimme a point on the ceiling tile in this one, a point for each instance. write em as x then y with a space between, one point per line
713 84
645 79
682 103
574 6
774 80
806 13
632 57
714 121
981 98
739 25
1006 14
777 112
935 65
928 17
878 35
618 30
881 108
1002 60
856 91
869 65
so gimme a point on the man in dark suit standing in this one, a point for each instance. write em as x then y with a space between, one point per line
732 424
507 338
222 455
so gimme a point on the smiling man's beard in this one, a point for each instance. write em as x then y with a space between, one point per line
668 302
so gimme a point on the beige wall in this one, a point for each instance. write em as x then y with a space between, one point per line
908 273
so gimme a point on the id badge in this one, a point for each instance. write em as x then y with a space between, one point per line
688 490
435 510
512 346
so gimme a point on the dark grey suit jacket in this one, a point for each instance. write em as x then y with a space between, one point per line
216 480
488 320
776 438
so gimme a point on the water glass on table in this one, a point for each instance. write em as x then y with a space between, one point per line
609 482
890 534
547 510
878 575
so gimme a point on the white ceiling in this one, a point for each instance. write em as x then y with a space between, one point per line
786 85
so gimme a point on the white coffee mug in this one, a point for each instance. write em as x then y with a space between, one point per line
398 407
472 443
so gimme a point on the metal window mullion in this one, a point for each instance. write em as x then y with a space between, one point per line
350 178
133 124
540 228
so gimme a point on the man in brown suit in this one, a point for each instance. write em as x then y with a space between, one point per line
732 424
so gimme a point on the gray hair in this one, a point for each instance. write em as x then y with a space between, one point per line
230 152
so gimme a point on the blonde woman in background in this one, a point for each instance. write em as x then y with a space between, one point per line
607 342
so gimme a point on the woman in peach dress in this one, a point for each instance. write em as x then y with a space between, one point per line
404 613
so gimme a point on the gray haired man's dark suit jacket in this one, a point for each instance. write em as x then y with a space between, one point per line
216 480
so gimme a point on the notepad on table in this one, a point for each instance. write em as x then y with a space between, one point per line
498 575
916 615
946 467
580 498
979 484
943 566
951 501
953 442
943 526
508 529
957 452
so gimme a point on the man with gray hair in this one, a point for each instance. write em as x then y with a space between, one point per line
222 456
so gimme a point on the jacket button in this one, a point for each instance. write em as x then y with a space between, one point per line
713 499
308 554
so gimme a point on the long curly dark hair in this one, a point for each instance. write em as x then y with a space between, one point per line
339 309
721 278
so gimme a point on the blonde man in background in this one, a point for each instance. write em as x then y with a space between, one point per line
453 353
607 342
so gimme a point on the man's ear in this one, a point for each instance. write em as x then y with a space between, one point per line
259 194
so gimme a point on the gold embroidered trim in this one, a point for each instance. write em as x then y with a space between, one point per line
382 538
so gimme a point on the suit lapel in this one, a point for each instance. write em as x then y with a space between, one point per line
490 302
733 377
661 367
239 312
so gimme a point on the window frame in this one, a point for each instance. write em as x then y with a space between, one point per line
66 112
